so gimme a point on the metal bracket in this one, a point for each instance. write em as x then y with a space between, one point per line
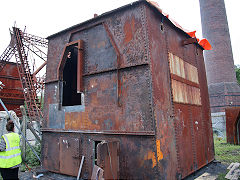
118 62
189 41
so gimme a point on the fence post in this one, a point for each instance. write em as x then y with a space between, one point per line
24 129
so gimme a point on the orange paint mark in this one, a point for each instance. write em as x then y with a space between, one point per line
151 155
159 152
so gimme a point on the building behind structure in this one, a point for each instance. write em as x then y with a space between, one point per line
224 91
127 90
12 92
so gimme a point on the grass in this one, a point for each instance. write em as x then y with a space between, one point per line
31 159
221 176
226 153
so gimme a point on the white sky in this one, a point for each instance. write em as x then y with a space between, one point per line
46 17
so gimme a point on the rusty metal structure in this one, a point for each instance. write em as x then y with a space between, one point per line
233 125
224 90
12 93
28 49
127 90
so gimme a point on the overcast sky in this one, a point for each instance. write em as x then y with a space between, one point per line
46 17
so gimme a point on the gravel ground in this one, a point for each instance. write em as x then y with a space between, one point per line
209 172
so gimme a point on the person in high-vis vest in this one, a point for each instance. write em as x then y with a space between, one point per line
10 153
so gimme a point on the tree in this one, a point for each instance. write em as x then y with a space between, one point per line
237 70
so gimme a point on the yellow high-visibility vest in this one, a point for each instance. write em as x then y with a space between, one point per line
12 154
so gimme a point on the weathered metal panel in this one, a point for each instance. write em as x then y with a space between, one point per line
55 48
51 96
233 125
135 96
56 117
50 152
206 116
167 163
189 88
69 156
129 33
99 54
132 165
183 123
102 111
198 136
12 92
108 159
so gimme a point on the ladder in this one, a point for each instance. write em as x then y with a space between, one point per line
29 90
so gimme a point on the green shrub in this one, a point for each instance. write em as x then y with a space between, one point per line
31 159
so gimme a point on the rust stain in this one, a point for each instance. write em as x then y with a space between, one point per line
151 156
101 44
129 29
79 120
159 152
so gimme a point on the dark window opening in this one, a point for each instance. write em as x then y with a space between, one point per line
70 95
95 149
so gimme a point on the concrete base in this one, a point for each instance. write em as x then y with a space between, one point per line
219 124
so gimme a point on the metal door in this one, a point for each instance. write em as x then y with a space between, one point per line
69 156
108 159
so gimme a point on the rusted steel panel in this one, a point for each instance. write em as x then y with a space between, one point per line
12 92
187 83
129 32
167 165
184 139
50 152
56 117
108 159
99 54
51 96
134 95
69 155
206 117
233 125
102 113
55 48
10 70
198 136
132 165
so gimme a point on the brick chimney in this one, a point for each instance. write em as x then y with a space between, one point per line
224 90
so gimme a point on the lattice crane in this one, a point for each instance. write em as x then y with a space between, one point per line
25 47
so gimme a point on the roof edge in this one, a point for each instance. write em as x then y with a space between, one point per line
147 2
98 17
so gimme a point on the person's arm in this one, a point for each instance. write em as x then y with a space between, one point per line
2 144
